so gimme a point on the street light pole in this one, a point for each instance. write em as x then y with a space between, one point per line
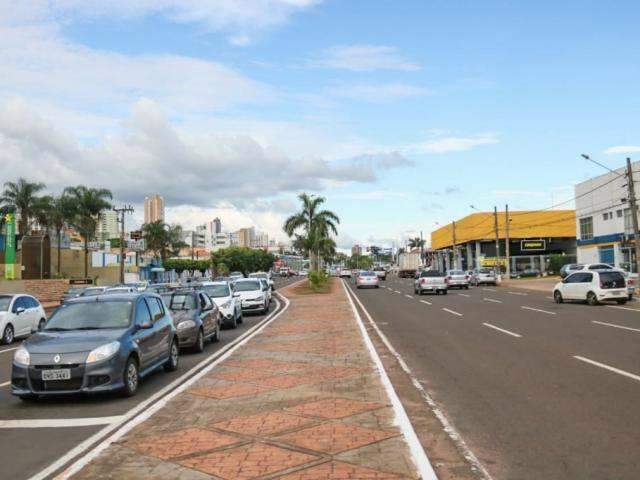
634 212
121 211
507 247
495 226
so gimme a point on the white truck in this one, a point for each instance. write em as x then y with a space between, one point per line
408 263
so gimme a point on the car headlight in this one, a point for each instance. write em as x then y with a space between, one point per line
103 352
226 304
22 357
186 324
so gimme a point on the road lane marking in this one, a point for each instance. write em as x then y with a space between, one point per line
517 293
90 448
550 298
517 335
538 310
407 295
608 367
4 384
616 326
59 422
452 311
489 289
447 427
9 349
463 294
397 291
424 301
624 308
492 300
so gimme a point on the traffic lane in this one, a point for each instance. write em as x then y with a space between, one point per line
526 412
79 406
6 357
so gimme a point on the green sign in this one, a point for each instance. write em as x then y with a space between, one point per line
10 247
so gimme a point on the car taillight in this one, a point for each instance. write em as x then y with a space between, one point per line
466 277
423 281
446 279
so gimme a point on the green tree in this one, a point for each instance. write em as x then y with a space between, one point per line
162 239
21 198
416 242
360 261
53 213
86 204
245 260
315 226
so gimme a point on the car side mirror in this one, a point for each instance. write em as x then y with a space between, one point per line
145 325
19 310
236 294
564 280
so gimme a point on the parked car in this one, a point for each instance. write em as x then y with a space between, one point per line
458 279
367 279
119 289
266 276
381 273
72 292
593 287
92 291
285 272
484 276
233 276
97 344
229 305
267 288
526 273
20 316
570 268
345 273
252 295
431 281
195 316
303 272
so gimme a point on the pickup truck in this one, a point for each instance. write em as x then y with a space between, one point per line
381 273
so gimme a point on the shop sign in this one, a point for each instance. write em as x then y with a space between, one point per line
533 245
492 262
10 247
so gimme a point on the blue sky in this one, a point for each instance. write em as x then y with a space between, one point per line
402 114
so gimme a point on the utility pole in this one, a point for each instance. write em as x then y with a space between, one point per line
506 240
634 212
421 249
495 226
193 243
121 211
455 253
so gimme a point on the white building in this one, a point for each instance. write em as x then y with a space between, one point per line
107 227
221 240
603 220
260 240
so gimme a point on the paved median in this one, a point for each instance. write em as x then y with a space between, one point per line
302 399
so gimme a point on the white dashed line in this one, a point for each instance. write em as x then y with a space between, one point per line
608 367
4 384
397 291
624 308
452 311
59 422
425 302
517 335
616 326
9 349
489 289
517 293
538 310
550 298
492 300
407 295
463 294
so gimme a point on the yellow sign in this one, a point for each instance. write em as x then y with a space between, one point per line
491 262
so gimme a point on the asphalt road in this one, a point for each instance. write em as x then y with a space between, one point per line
502 363
26 451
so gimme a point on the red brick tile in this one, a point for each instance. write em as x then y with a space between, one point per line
334 437
263 423
243 375
333 408
182 442
230 391
288 381
267 364
339 471
248 461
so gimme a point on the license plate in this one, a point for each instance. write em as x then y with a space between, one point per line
617 293
58 374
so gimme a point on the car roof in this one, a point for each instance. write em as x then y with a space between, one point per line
115 297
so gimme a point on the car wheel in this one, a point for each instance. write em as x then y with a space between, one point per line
233 323
241 317
265 310
171 364
198 347
444 292
7 335
131 377
466 287
437 292
218 336
622 301
557 297
592 299
41 324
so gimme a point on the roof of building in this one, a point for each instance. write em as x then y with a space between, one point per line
523 224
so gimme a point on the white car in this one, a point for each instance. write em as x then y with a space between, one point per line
265 285
117 290
252 295
458 278
345 273
266 276
593 287
367 279
431 281
20 316
229 305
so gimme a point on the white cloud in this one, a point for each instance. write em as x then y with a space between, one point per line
371 195
454 144
378 93
622 149
361 58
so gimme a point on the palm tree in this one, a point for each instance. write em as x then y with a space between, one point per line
53 214
87 203
162 239
21 198
416 242
316 225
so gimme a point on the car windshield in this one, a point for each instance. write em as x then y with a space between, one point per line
259 275
5 300
247 286
91 316
180 301
217 291
91 292
74 291
367 274
485 270
431 273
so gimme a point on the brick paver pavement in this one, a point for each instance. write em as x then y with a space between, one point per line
302 400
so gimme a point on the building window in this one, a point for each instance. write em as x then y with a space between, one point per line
619 213
586 228
605 216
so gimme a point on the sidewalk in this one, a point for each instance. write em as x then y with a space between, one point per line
301 400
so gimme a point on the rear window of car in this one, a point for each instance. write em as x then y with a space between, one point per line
600 266
485 270
431 273
456 272
612 280
367 274
247 286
